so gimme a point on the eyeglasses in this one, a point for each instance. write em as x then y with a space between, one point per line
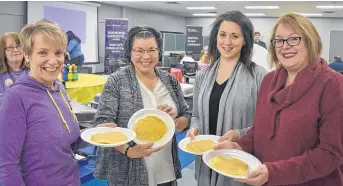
11 48
291 41
140 52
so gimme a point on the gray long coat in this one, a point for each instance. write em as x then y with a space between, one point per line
236 111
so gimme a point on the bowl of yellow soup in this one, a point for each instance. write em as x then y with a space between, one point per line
107 136
231 163
200 144
152 125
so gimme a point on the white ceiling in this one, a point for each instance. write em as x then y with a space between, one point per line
223 6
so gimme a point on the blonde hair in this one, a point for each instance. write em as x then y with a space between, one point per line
48 29
303 26
3 60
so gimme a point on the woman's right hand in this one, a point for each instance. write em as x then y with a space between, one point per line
142 150
192 133
226 144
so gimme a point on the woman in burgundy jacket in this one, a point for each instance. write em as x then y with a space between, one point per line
298 125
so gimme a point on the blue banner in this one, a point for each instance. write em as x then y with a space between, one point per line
115 35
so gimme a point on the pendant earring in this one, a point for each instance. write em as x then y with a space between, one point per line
27 63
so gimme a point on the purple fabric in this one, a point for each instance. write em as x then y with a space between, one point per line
68 19
8 77
35 145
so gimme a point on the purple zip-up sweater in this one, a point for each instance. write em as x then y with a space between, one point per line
35 146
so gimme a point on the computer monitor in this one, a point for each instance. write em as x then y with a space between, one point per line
173 54
173 61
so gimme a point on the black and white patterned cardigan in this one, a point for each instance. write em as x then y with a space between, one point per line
120 99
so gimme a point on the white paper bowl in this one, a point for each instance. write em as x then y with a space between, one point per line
249 159
86 135
183 143
166 118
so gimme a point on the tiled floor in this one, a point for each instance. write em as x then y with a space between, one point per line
187 176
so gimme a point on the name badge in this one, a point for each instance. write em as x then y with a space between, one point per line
8 82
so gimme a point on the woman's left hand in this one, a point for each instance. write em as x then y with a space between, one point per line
231 135
168 109
256 177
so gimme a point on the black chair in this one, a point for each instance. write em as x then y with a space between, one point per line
189 70
84 70
168 69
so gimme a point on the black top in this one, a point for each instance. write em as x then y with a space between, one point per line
216 94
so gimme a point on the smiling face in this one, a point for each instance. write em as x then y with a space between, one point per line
13 51
230 40
46 60
144 54
292 58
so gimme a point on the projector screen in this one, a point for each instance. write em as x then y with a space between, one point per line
79 17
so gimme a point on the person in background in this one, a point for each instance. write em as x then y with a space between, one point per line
180 57
186 58
137 86
337 65
74 48
260 57
257 40
12 62
204 55
225 93
298 131
203 50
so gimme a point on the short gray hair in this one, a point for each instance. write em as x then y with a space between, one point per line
48 29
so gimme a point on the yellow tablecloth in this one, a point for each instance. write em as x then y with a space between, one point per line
84 89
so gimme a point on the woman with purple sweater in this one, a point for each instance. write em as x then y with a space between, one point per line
37 125
12 62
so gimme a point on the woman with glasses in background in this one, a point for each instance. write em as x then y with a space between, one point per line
298 131
137 86
12 62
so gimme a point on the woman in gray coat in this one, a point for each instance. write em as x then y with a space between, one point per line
137 86
225 93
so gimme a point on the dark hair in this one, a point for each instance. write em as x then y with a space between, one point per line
337 58
144 32
257 33
71 36
248 32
